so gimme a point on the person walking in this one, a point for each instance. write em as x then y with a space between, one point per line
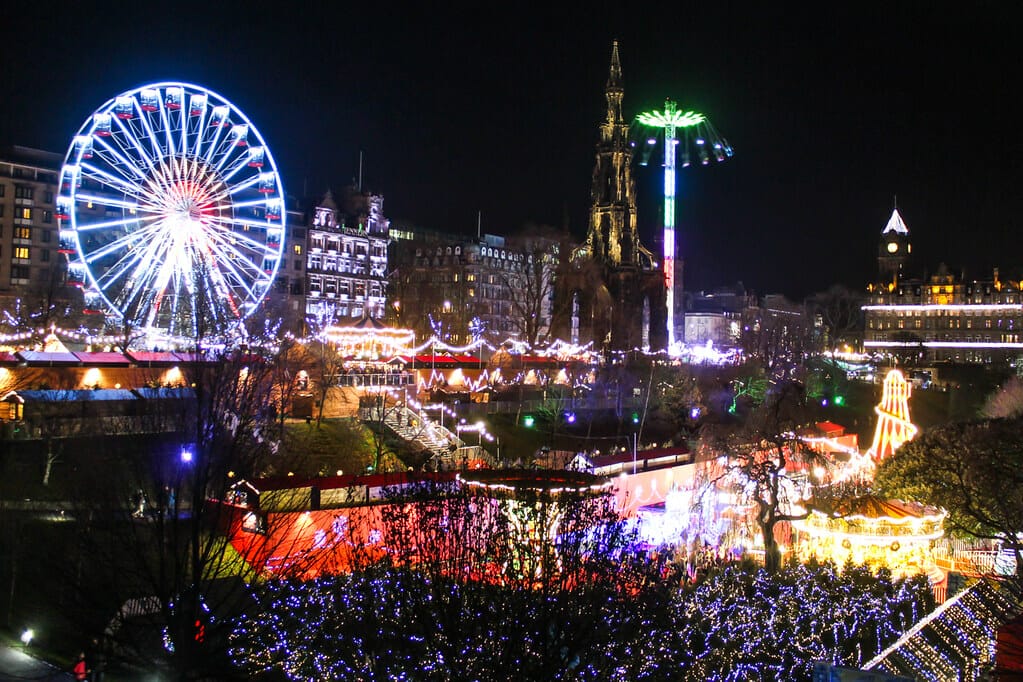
81 670
96 659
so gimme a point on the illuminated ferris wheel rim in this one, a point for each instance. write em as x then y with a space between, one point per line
166 155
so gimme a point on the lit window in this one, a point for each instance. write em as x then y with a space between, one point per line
298 249
25 213
22 232
21 252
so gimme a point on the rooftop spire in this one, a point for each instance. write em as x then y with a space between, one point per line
614 78
614 90
895 224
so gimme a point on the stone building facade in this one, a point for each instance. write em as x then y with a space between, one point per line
943 316
346 259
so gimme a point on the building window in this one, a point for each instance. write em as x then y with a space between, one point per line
3 190
48 197
1 205
298 264
19 272
25 213
22 192
47 216
22 232
297 248
21 252
46 235
44 256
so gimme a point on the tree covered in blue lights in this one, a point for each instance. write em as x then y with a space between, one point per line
597 609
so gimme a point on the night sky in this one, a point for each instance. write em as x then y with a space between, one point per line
832 113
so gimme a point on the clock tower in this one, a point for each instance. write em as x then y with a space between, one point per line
893 250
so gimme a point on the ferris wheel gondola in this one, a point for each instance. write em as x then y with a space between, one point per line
171 211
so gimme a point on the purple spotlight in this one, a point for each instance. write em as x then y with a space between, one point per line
570 417
186 455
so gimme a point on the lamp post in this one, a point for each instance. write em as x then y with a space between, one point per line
634 437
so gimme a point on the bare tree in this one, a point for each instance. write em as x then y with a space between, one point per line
326 367
1007 401
840 314
156 526
529 282
758 455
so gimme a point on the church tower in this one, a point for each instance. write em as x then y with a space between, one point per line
893 250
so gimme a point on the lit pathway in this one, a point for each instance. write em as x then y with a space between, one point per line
15 664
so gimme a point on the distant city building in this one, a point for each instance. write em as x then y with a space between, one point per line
462 288
611 291
716 316
286 300
29 255
942 317
346 258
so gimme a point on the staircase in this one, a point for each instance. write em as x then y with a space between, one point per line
411 426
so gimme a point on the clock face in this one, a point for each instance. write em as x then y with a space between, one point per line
893 247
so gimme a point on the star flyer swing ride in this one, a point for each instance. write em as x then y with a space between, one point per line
700 142
171 213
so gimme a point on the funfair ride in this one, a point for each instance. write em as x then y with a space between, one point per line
700 142
171 213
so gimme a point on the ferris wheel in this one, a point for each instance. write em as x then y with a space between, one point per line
171 211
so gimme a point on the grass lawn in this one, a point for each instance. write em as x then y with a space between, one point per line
342 444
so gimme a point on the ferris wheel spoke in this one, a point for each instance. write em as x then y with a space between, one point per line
229 237
238 277
125 243
241 164
166 128
200 131
249 204
107 224
247 256
105 201
124 161
130 134
132 269
211 149
151 136
238 187
130 188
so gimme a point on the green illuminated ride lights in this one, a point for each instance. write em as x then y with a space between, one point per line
707 146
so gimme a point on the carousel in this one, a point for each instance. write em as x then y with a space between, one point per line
877 532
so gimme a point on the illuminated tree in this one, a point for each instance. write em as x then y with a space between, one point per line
974 470
450 599
747 624
758 456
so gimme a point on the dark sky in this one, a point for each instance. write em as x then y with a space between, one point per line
832 112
